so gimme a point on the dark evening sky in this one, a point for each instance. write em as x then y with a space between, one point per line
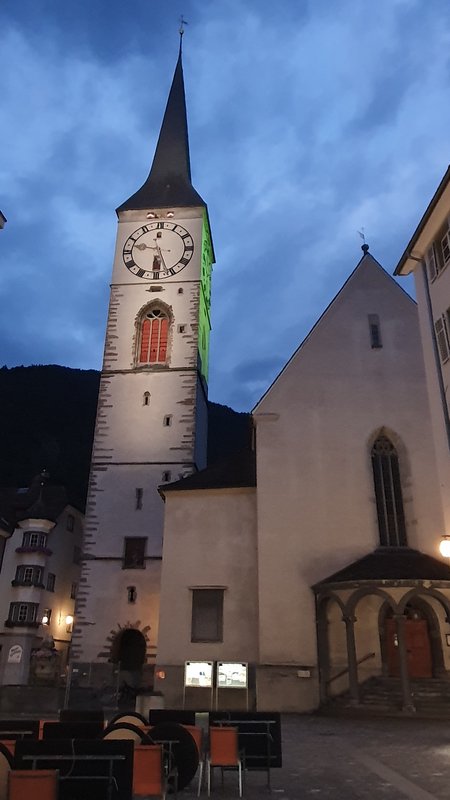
308 121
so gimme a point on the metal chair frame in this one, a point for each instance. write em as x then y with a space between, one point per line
228 756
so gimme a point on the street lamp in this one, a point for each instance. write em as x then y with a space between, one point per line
444 546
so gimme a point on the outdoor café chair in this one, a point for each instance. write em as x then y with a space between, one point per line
224 753
41 784
197 735
6 763
148 771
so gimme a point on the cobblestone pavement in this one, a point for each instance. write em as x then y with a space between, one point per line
345 759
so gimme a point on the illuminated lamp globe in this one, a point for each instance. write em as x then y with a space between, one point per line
444 547
45 619
69 619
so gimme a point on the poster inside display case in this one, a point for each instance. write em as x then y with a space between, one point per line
231 675
198 674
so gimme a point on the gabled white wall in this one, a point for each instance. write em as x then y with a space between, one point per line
315 426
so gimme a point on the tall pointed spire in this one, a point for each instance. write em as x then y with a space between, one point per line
169 181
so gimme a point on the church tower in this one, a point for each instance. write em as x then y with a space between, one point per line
151 423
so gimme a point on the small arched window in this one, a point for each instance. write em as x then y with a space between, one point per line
388 494
154 333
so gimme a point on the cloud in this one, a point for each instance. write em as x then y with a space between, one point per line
307 121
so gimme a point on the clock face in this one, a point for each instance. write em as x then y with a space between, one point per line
158 250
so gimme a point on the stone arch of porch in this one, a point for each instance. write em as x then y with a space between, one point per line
423 592
364 591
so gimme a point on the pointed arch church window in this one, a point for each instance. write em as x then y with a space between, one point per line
388 494
153 337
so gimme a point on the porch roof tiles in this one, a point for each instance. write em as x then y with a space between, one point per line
392 563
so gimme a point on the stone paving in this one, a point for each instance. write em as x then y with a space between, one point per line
345 759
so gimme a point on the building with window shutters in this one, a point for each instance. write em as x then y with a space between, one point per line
427 255
314 557
40 572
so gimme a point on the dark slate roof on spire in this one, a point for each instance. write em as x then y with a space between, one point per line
169 181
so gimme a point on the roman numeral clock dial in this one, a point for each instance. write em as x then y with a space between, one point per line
158 250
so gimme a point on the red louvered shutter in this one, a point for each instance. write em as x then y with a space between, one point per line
154 341
164 330
145 338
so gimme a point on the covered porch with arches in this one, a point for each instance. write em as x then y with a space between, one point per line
386 615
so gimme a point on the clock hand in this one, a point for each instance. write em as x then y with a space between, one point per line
161 257
143 246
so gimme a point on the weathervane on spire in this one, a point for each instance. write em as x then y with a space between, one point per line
365 246
183 22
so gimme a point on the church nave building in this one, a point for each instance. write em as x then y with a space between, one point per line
313 555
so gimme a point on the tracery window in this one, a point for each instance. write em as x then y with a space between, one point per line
388 494
153 337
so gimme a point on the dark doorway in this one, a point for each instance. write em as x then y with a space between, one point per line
129 650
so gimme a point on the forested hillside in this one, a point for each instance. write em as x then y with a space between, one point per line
47 417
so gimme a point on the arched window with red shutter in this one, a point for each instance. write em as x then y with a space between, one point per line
153 337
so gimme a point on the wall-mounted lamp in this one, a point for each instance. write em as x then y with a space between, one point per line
46 617
69 623
444 546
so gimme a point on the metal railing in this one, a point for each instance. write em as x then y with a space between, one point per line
343 672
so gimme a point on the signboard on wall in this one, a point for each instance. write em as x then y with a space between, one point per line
231 675
15 654
198 674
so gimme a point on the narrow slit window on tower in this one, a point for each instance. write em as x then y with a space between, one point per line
166 476
181 329
146 399
180 290
139 496
375 332
167 421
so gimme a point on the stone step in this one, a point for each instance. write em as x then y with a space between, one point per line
383 696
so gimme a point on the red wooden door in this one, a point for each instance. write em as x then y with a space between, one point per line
418 649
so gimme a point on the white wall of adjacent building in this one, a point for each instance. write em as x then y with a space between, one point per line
62 560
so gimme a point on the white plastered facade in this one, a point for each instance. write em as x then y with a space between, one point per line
313 510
